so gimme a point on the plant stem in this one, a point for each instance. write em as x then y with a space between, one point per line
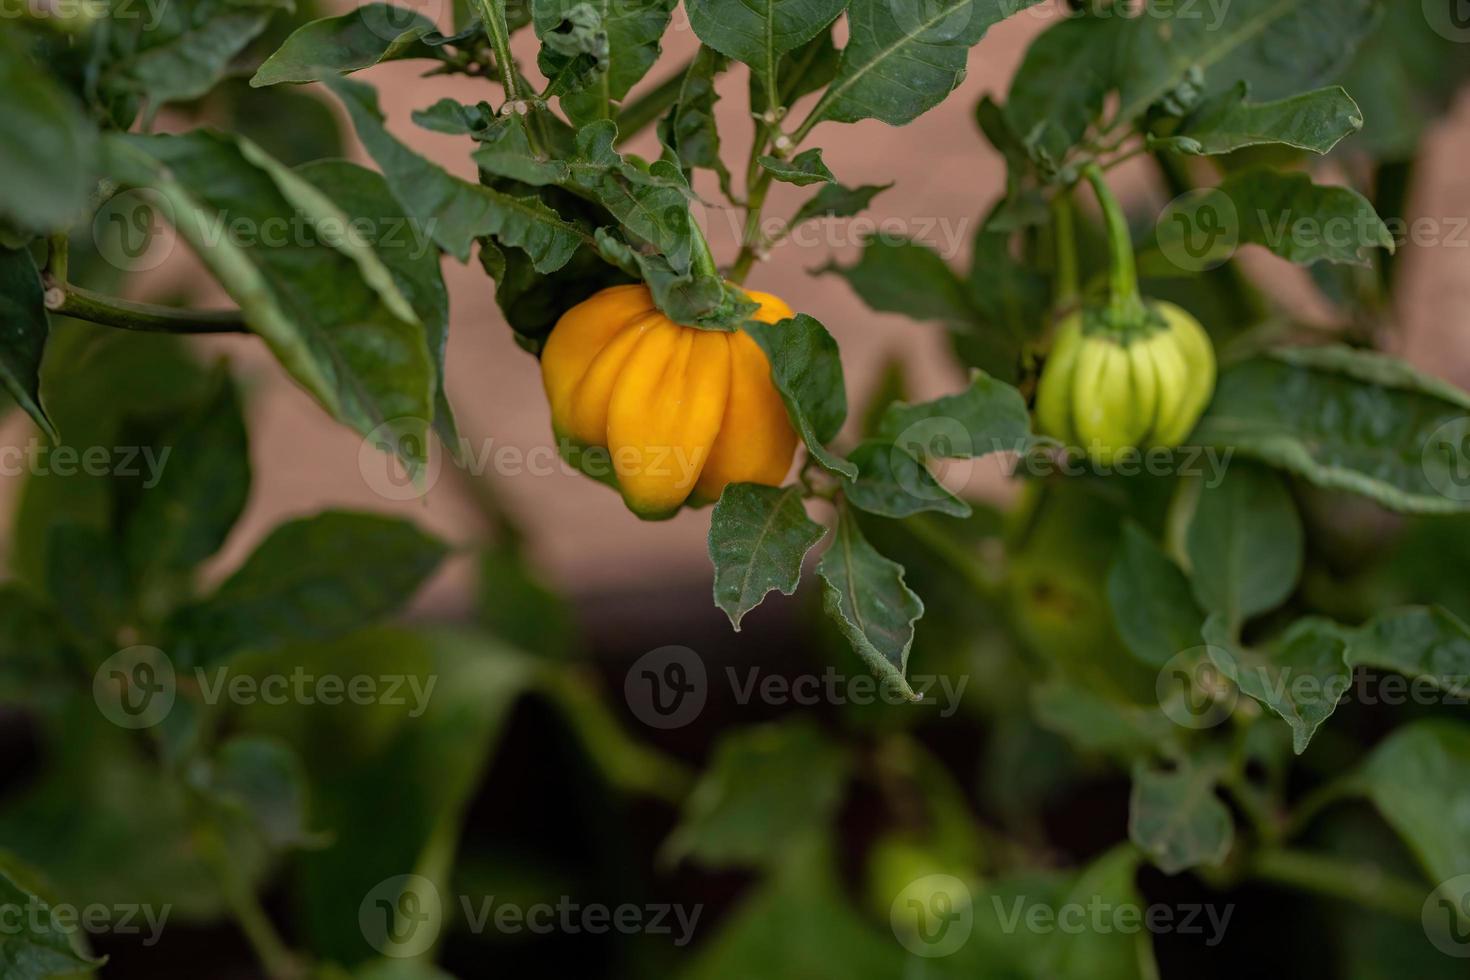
1123 274
755 200
1364 884
493 12
1064 234
83 304
277 959
1315 802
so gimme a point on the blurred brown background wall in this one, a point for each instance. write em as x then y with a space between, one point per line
583 537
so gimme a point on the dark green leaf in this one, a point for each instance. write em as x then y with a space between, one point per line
1315 121
1244 544
803 169
807 370
452 211
896 275
531 302
865 595
201 491
1151 601
50 147
758 537
456 118
692 298
312 578
893 483
626 44
23 332
690 129
1096 723
1058 91
1348 420
260 779
1422 642
187 54
837 201
1301 676
652 205
408 253
516 606
1419 779
321 298
759 34
369 35
35 945
33 650
87 579
902 59
1176 818
766 786
988 416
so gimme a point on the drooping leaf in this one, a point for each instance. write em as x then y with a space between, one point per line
896 275
36 944
865 595
1058 91
1301 675
1315 121
627 35
694 297
50 147
369 35
653 205
803 169
452 211
902 59
1245 544
312 578
758 537
1176 818
891 482
837 201
457 118
767 788
1422 642
759 34
1348 420
690 129
323 301
807 371
1419 779
24 328
1152 606
988 416
409 253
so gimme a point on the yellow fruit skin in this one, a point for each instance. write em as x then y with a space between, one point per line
682 412
1108 393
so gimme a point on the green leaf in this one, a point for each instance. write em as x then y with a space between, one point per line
312 578
35 944
1246 41
24 328
260 779
803 169
758 537
1315 121
1284 213
988 416
87 579
896 275
1094 722
455 118
902 59
766 786
690 129
893 483
652 205
190 63
1151 601
692 298
1348 420
1176 818
759 34
865 594
1245 544
837 201
801 71
1301 676
1058 91
1423 642
628 33
1419 779
370 35
184 518
452 211
35 650
408 253
807 371
515 605
50 147
320 298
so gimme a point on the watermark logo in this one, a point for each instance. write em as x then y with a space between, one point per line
382 451
1199 230
402 916
1193 691
1446 917
1450 19
667 688
1445 459
932 21
134 230
135 687
933 915
943 448
392 21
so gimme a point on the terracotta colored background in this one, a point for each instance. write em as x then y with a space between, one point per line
583 537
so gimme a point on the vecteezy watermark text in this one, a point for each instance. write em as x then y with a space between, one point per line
125 919
39 459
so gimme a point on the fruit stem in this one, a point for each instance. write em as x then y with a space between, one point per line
1124 299
1064 236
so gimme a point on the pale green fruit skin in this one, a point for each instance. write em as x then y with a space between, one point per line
1109 393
